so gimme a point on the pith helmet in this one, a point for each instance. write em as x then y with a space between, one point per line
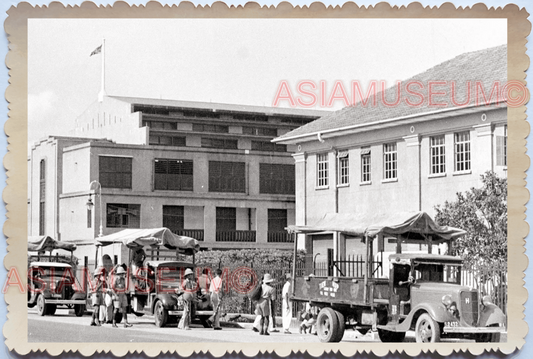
99 271
268 278
188 271
121 270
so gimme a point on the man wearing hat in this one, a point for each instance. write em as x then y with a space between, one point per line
120 301
188 288
97 295
263 305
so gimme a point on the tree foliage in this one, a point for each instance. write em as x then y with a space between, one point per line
482 213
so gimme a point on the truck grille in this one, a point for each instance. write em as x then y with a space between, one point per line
469 307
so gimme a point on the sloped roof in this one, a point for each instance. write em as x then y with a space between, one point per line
487 66
270 111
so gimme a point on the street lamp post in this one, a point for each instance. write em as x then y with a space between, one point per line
97 188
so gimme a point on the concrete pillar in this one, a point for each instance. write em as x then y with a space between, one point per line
262 224
409 169
210 220
300 162
481 148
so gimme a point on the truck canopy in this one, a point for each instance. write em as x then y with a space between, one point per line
413 225
46 243
156 237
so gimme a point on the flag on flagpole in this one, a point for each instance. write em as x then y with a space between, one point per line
96 51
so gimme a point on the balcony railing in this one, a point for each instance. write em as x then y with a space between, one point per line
197 234
280 237
235 236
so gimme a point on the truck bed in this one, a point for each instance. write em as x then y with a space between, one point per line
341 290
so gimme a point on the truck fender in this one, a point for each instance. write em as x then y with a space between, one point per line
437 312
490 315
168 301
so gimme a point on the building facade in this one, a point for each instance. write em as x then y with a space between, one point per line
401 158
208 171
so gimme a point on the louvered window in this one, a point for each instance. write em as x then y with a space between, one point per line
276 178
501 149
115 172
227 177
173 175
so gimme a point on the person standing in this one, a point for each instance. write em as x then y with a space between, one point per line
215 289
97 295
120 300
263 305
204 282
286 308
188 287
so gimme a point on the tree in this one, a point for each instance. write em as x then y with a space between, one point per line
482 213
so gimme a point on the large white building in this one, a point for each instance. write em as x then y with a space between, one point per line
209 171
410 156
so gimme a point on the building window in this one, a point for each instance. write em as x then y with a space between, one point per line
227 176
174 141
390 161
160 125
42 196
277 222
501 149
276 178
226 219
123 215
462 151
437 153
115 172
176 175
322 170
223 143
365 165
259 131
201 127
173 218
343 168
268 146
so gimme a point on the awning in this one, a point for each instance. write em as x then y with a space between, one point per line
411 225
156 237
47 243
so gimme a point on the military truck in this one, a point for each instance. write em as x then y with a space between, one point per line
52 278
422 291
155 282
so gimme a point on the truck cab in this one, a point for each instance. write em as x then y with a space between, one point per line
427 297
159 292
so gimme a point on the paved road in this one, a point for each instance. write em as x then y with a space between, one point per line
65 327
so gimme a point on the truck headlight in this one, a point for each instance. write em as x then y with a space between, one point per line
486 300
447 300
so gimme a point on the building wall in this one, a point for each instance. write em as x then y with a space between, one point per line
111 119
415 188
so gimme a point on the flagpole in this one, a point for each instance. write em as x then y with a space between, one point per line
102 90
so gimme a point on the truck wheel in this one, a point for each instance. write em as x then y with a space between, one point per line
160 314
342 326
42 307
51 309
79 309
386 336
327 326
427 329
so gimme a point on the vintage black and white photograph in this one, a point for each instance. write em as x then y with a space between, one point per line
268 180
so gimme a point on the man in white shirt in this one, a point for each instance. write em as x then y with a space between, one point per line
215 290
286 308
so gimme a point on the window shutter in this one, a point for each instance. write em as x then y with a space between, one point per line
500 151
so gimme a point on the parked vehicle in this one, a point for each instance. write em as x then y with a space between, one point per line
52 280
157 284
422 293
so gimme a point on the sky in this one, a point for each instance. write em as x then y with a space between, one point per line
239 61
